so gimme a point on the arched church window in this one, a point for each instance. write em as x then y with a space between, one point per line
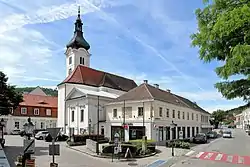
82 60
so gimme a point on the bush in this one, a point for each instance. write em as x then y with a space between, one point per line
178 144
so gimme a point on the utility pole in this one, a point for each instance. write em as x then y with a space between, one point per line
98 124
124 119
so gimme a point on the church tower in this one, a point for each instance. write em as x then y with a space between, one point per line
77 49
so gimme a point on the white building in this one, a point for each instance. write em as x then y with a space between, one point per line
84 87
246 119
239 121
159 108
42 110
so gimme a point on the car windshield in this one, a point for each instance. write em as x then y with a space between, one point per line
200 135
227 132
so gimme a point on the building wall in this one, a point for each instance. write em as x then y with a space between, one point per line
153 120
17 122
61 105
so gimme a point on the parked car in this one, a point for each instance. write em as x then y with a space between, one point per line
35 131
60 137
41 135
227 134
200 138
16 132
212 135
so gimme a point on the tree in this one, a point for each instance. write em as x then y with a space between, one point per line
224 35
9 98
218 117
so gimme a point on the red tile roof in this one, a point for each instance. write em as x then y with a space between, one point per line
88 76
38 101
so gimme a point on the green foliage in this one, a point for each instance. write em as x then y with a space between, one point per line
224 35
9 98
48 91
218 117
239 109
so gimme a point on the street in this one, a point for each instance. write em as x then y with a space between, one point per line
223 152
68 157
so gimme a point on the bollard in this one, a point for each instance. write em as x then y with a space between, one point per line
53 165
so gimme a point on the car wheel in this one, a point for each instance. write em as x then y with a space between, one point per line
40 138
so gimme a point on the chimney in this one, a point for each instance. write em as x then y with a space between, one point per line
168 90
145 81
156 85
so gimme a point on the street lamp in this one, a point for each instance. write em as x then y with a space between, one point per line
2 132
173 125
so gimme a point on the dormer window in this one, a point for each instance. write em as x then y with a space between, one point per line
82 60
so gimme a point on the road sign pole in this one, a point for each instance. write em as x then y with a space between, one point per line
53 145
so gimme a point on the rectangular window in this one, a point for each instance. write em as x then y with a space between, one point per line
160 111
42 125
167 113
82 115
82 60
36 111
192 116
183 115
179 115
173 114
48 111
23 110
72 116
187 115
140 111
115 113
70 60
16 125
197 117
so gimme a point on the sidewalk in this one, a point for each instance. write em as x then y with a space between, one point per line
164 154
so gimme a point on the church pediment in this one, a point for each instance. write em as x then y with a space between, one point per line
74 94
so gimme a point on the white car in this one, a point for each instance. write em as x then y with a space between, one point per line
41 135
227 134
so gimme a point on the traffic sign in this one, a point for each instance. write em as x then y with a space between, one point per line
29 146
53 131
181 135
54 149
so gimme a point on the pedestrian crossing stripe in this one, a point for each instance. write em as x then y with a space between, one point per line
221 157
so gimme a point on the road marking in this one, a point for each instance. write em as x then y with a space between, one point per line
208 156
229 158
218 157
240 160
200 154
157 163
190 152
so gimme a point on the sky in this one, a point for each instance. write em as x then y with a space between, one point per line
138 39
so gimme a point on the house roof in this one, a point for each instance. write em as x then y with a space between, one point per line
39 101
38 91
149 92
88 76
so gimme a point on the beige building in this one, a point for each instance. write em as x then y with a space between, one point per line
150 110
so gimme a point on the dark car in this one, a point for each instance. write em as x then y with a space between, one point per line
200 138
60 137
212 135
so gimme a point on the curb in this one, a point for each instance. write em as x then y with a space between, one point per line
108 157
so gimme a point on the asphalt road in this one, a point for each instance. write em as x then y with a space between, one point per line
233 152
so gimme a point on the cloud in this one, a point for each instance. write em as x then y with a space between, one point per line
53 13
202 95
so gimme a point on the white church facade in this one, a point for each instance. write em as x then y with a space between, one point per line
85 91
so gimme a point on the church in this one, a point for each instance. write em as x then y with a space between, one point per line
85 91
